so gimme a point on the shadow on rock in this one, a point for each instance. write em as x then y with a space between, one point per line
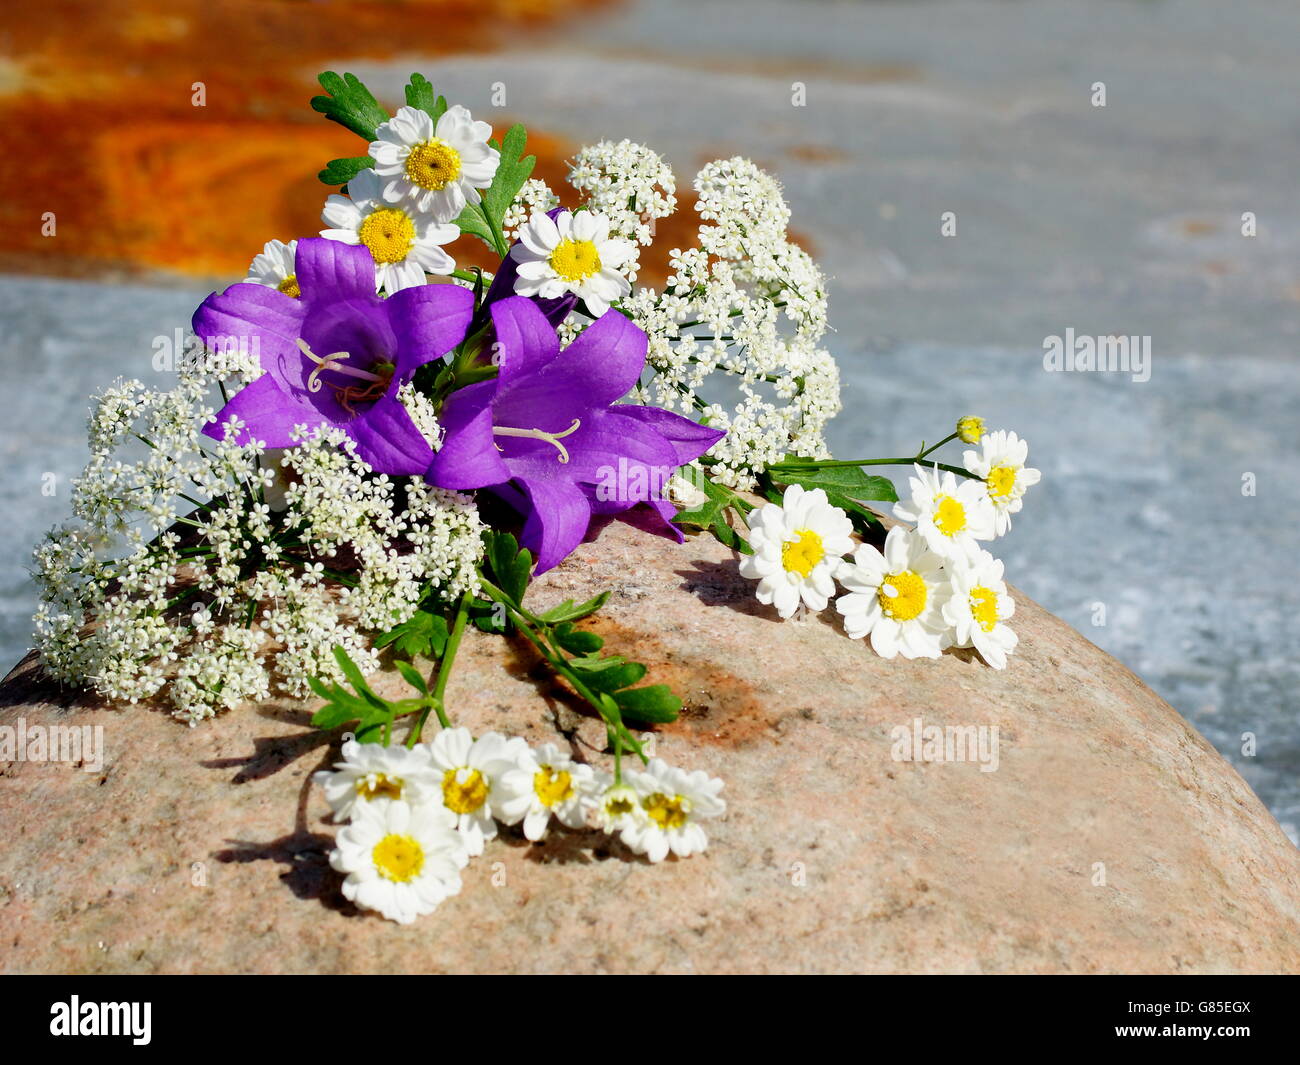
720 584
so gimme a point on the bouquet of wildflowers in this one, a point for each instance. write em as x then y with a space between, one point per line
370 448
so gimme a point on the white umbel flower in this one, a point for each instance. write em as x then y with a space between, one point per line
1000 461
896 598
400 860
405 242
673 802
572 253
371 772
797 547
979 608
951 517
275 267
471 772
543 783
438 169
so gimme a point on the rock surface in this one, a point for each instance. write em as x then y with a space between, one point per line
205 850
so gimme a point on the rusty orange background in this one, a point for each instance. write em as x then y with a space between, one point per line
98 124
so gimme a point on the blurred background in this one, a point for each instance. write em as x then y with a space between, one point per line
1122 219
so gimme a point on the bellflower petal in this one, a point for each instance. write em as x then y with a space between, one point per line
608 357
252 317
267 415
428 321
557 522
688 438
388 440
528 341
328 271
468 457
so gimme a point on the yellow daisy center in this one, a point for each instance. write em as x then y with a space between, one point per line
289 286
666 811
552 786
433 165
902 595
618 806
379 786
398 858
984 607
464 795
389 233
801 555
575 260
949 516
1001 481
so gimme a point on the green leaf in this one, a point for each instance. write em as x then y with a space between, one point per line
341 171
423 633
711 515
576 642
852 482
419 93
487 616
471 221
566 611
610 678
513 170
341 706
511 565
357 679
654 704
350 104
413 676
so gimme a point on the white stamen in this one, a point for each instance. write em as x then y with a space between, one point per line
540 434
331 362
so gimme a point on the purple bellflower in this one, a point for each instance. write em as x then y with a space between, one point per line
548 436
336 356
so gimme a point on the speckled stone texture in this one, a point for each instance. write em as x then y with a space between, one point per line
205 849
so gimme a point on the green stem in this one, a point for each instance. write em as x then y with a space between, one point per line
524 622
936 447
827 464
444 674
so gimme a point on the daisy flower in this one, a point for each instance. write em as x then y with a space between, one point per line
370 772
674 802
437 169
404 242
618 807
951 517
400 860
471 772
797 547
274 267
896 598
979 606
1001 462
545 782
572 253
